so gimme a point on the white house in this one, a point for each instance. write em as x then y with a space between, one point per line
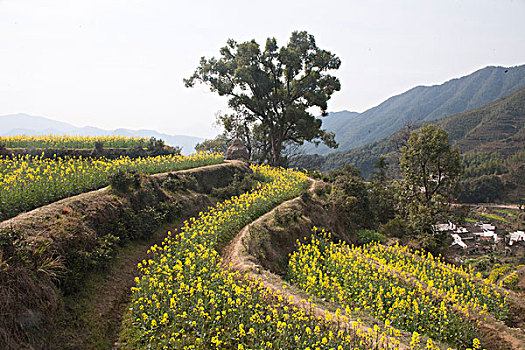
444 227
488 234
516 237
458 241
487 227
461 230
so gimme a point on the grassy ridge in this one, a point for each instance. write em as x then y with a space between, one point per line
185 299
29 182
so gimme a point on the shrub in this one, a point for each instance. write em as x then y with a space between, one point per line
3 149
104 250
241 183
99 146
369 236
123 181
396 227
286 216
175 182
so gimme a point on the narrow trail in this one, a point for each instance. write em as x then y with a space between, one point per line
236 257
494 205
96 313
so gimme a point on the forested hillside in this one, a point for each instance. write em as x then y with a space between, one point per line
422 103
491 139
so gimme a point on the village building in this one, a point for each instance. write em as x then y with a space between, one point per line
481 238
518 236
458 241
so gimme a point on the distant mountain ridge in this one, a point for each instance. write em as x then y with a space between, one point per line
497 127
24 124
422 103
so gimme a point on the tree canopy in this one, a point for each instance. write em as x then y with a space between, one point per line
431 169
274 89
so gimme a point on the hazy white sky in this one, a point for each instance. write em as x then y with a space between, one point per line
120 63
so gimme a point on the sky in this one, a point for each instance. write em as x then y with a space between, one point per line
120 63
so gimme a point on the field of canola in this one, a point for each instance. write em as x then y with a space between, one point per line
412 291
74 142
185 298
27 182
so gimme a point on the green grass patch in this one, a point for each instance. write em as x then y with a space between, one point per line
507 212
493 217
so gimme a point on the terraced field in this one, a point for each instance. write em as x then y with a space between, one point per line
412 291
190 293
186 297
72 142
27 182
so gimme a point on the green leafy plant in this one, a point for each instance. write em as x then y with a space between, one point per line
369 236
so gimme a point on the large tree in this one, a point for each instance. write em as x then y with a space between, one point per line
431 168
275 89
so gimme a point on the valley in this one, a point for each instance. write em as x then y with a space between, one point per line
122 242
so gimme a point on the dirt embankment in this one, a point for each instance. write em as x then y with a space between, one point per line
109 153
57 257
268 241
262 249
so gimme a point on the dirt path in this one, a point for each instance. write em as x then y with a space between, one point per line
493 205
236 257
95 314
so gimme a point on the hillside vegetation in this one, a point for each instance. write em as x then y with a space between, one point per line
421 104
491 139
50 256
235 301
212 282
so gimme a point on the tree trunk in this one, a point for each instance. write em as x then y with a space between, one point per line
276 151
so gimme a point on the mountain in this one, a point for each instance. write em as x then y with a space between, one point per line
28 122
497 128
23 124
332 122
336 120
422 104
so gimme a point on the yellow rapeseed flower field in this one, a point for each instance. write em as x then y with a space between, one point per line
412 291
67 141
27 182
185 299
